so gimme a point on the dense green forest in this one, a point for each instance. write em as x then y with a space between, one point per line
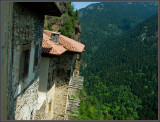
120 64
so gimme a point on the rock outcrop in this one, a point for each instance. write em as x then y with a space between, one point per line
56 23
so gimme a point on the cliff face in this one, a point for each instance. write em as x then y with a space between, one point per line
68 24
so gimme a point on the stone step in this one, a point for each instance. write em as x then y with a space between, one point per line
75 112
71 99
76 87
73 109
76 80
75 104
78 77
71 114
69 107
75 84
81 78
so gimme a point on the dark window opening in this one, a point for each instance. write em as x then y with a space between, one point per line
36 56
24 61
50 81
52 77
68 73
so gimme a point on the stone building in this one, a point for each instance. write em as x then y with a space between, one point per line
22 25
59 66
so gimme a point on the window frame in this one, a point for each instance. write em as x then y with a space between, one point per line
24 47
53 74
35 67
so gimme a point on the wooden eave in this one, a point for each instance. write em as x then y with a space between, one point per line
45 8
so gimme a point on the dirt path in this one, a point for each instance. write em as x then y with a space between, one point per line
60 98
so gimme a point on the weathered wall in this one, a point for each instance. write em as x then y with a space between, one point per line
27 28
52 66
50 103
44 65
65 68
6 51
51 87
27 102
47 87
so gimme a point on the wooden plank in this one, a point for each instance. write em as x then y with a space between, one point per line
77 80
80 76
74 105
75 111
74 108
71 114
74 99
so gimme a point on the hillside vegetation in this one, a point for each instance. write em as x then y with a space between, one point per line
68 24
120 64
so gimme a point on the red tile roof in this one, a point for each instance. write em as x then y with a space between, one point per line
50 47
65 44
71 44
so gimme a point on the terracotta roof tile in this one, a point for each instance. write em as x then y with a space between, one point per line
50 47
65 44
71 44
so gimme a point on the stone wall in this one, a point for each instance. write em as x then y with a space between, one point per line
6 51
27 28
50 103
52 72
52 67
45 112
66 65
27 102
63 67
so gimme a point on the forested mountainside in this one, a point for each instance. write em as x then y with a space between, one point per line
120 64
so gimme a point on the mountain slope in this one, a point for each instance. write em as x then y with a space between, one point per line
101 21
120 63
